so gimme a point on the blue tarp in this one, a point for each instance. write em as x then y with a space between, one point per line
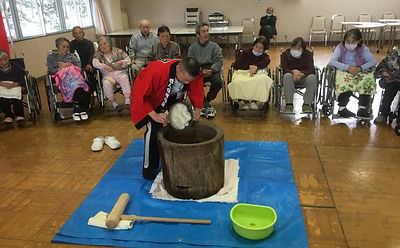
266 178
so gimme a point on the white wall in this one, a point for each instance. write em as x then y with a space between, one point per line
112 12
294 17
35 50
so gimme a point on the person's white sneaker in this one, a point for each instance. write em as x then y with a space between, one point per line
253 106
246 106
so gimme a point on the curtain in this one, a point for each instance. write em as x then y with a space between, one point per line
99 18
3 36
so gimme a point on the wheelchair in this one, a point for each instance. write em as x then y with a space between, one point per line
54 100
32 101
231 71
328 95
396 116
279 97
101 97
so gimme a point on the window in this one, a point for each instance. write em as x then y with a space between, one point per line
7 16
32 18
77 13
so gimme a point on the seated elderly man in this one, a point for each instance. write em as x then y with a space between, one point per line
165 49
210 57
140 46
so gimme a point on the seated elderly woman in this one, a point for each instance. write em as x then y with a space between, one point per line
355 73
246 83
113 63
11 78
298 71
65 68
165 49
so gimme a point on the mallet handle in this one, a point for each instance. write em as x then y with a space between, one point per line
162 219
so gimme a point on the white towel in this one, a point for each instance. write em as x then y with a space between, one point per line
228 193
13 93
99 220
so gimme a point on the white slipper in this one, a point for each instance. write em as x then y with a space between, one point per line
112 142
98 143
76 116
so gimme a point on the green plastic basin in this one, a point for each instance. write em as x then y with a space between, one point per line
253 221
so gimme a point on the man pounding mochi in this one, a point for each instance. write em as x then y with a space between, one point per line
156 88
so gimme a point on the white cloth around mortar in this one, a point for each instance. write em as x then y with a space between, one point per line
228 193
99 220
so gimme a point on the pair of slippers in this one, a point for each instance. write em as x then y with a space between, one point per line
111 141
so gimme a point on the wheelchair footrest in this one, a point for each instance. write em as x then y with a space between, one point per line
65 104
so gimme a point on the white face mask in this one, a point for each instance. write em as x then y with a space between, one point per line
257 53
295 53
350 47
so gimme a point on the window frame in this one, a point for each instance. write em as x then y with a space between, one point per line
59 8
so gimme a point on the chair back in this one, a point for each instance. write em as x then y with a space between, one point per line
389 15
336 19
249 28
96 46
364 18
318 23
19 61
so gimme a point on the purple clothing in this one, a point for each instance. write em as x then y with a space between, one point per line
358 57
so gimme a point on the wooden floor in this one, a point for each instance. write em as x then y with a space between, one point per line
347 174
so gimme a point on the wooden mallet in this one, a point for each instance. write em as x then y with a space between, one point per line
116 215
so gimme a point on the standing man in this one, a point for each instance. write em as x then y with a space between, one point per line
209 55
267 24
140 46
155 89
85 49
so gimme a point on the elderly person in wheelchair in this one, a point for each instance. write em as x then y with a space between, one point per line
65 68
298 71
388 70
11 77
113 63
355 73
249 83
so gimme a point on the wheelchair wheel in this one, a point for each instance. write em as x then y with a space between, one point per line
100 97
35 88
392 117
55 116
397 130
265 107
326 110
33 116
234 107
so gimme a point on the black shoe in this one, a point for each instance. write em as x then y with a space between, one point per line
363 112
346 113
149 174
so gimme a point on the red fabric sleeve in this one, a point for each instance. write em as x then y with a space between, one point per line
196 92
140 97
